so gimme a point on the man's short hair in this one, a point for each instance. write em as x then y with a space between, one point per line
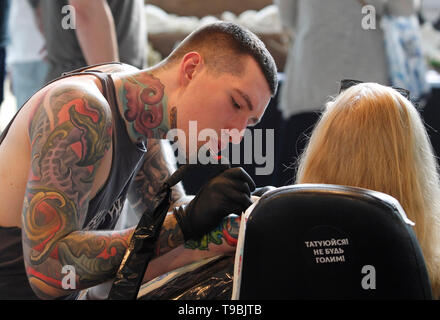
219 42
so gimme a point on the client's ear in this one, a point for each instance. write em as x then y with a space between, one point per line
191 64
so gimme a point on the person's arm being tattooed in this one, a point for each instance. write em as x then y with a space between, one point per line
175 254
70 133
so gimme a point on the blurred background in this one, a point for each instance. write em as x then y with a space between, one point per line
169 21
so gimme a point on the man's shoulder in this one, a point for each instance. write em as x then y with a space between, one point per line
68 98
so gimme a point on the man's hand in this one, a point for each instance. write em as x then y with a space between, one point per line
227 193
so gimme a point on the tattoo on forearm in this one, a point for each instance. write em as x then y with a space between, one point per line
95 257
170 236
94 253
227 230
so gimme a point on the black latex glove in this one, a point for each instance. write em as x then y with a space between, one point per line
262 190
229 192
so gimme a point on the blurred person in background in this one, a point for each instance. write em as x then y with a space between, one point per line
372 137
25 52
330 44
4 12
83 32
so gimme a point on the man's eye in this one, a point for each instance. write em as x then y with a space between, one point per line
235 104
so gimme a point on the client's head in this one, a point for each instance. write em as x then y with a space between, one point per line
370 136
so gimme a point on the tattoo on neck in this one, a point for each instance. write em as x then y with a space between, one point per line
145 106
173 118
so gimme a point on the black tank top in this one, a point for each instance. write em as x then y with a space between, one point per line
104 209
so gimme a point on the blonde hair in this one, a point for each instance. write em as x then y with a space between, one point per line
372 137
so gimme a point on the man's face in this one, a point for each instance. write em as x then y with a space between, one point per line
222 103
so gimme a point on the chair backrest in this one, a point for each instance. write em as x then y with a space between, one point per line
317 241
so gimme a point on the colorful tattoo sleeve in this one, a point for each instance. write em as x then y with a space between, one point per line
70 132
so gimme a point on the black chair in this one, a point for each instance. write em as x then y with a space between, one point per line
316 241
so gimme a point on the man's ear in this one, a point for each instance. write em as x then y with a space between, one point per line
190 66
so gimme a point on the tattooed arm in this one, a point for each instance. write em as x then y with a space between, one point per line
70 133
220 241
